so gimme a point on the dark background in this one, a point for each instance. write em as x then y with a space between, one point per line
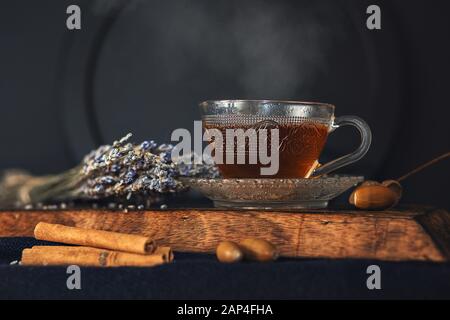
143 66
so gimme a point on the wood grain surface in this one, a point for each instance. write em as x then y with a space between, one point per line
415 233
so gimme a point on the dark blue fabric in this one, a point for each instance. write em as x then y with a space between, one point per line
200 276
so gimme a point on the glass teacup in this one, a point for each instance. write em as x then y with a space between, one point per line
302 130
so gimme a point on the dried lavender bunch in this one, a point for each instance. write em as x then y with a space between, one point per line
119 170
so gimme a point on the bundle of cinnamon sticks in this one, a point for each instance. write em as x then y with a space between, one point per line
93 248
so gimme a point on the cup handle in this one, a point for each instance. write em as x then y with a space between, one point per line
366 139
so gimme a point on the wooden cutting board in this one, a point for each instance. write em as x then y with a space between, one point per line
410 233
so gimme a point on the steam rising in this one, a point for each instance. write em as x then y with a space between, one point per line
271 49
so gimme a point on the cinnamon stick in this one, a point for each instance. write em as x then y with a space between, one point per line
94 238
166 252
87 256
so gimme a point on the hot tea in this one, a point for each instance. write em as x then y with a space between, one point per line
300 145
292 132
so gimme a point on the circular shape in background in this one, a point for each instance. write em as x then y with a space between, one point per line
147 65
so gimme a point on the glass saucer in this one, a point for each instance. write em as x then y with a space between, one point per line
312 193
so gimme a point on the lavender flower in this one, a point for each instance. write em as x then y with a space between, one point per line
122 169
